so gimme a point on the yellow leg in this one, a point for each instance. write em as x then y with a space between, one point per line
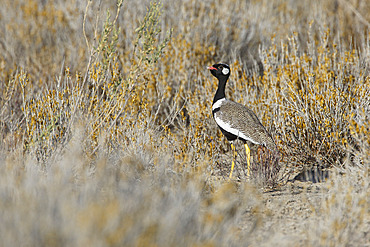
248 152
234 158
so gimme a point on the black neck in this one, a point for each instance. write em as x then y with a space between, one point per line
220 93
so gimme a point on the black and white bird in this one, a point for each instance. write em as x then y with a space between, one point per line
235 120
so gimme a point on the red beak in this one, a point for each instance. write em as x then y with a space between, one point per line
210 68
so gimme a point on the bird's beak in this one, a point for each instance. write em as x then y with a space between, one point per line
211 68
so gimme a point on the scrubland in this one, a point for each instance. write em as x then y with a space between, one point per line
107 136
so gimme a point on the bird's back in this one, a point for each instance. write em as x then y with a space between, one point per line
237 117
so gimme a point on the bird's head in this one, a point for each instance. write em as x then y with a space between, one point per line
220 70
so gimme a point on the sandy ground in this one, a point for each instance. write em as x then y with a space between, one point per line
295 216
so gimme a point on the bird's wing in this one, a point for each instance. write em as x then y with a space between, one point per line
245 121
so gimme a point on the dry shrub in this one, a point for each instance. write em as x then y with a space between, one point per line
121 199
318 94
343 219
110 140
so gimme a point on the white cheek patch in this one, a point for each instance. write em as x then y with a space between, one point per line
225 71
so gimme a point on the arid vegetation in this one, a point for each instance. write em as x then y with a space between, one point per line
107 136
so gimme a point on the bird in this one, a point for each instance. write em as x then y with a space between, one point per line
236 121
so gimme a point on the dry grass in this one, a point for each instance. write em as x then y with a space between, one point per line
107 137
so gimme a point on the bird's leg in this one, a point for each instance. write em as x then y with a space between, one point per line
248 152
234 158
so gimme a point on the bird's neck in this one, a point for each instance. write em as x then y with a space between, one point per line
220 93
